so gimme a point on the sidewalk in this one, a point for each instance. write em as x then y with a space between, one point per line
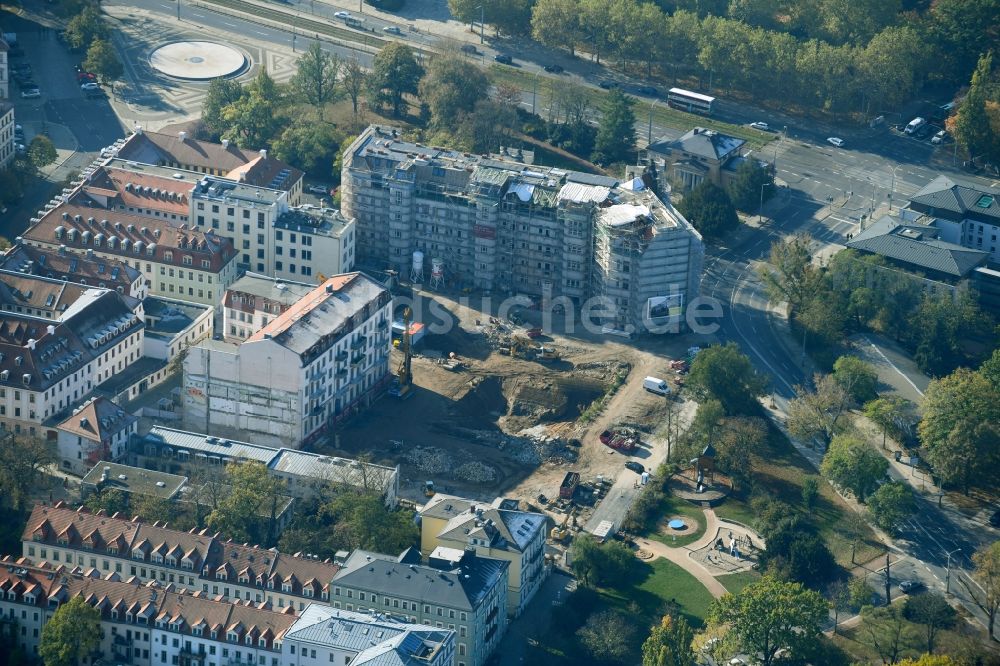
682 556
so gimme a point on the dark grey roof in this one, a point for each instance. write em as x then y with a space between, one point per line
463 588
917 245
591 179
701 142
944 195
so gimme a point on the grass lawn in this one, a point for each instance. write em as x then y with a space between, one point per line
656 585
673 506
779 473
737 581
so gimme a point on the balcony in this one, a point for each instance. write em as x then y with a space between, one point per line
359 342
357 359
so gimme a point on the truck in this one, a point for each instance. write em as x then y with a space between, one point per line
604 529
914 125
569 484
621 439
656 385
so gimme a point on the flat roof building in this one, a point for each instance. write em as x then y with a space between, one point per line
131 481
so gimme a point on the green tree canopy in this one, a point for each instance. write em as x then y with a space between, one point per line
85 28
853 466
353 81
41 151
986 571
102 59
857 377
251 120
894 415
362 520
556 23
669 643
790 275
890 505
819 412
616 132
972 124
310 146
22 457
600 564
752 186
933 611
395 73
609 636
710 210
770 615
221 94
959 428
795 552
725 373
451 88
248 513
316 76
73 632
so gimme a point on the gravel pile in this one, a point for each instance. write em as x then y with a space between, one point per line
475 472
430 460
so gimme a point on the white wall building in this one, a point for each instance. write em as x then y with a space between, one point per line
172 326
7 124
965 214
99 430
294 378
254 300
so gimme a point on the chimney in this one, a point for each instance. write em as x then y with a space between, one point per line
225 144
31 343
263 153
182 135
51 330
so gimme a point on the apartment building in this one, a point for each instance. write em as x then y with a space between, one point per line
457 591
494 224
700 154
7 124
288 383
4 77
964 214
176 261
62 351
225 159
141 624
312 242
98 430
307 475
86 270
323 635
199 562
254 300
172 326
498 530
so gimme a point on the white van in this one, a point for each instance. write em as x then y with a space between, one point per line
656 385
914 125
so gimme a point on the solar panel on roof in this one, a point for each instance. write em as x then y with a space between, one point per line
984 201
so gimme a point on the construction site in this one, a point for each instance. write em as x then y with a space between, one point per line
495 406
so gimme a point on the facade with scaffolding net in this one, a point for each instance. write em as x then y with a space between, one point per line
498 225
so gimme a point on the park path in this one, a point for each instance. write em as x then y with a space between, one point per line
680 556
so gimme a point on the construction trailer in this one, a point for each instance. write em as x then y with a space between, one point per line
605 529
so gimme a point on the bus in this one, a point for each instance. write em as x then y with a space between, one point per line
692 102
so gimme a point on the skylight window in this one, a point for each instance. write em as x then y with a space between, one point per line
984 202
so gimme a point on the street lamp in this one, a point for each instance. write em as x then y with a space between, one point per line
649 131
482 23
760 210
534 92
947 577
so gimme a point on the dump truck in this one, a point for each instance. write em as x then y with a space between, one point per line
622 439
569 484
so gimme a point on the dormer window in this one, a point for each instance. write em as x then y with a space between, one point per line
172 561
114 614
262 642
244 580
307 591
53 603
137 554
232 637
221 575
112 550
62 540
197 631
168 256
29 599
286 587
129 617
157 558
248 640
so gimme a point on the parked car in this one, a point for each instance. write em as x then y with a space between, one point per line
504 59
553 69
940 137
762 126
635 466
608 85
836 141
96 93
20 148
90 85
31 93
85 76
908 586
342 15
317 189
470 48
392 30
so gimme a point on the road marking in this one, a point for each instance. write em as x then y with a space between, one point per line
893 366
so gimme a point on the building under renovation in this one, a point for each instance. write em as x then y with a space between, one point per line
446 218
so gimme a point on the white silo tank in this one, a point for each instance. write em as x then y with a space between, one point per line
437 272
417 270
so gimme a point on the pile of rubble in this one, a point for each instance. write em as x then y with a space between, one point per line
475 472
430 460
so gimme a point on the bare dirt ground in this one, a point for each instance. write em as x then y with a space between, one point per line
503 425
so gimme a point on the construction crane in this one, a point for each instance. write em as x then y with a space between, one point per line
404 377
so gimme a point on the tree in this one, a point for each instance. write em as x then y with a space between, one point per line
251 121
556 23
972 124
354 80
884 630
85 28
740 439
858 378
616 132
861 593
770 615
818 413
931 610
22 458
669 643
959 428
109 500
853 466
710 210
41 151
894 415
890 505
723 372
789 275
986 572
362 520
990 369
796 553
596 564
451 88
752 185
855 530
929 660
221 93
810 492
840 601
315 78
395 73
608 636
103 60
489 124
71 635
249 512
310 146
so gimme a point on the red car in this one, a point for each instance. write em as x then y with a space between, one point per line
83 77
533 332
